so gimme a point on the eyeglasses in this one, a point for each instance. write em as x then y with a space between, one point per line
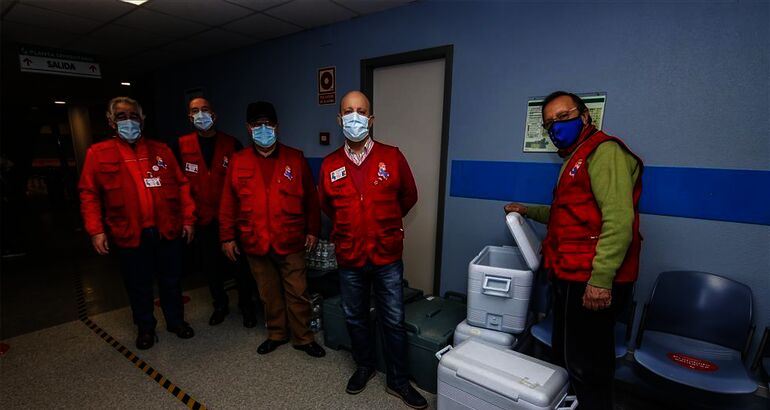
564 115
120 116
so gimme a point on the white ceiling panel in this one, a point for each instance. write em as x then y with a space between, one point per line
102 49
22 33
217 40
160 23
260 27
311 13
210 12
371 6
51 20
117 37
100 10
258 5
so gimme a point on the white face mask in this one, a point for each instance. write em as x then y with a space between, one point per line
355 126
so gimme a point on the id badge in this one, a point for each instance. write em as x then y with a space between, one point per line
152 182
189 167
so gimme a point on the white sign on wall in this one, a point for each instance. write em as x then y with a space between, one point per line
536 137
48 61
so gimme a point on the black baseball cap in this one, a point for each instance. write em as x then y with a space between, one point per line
261 109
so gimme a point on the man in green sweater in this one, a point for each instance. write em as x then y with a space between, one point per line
591 251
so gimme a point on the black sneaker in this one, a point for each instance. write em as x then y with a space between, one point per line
357 382
146 339
182 330
409 396
312 349
218 316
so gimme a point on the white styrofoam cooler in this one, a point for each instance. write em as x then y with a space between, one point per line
480 376
463 331
500 280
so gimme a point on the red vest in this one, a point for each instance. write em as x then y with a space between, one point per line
576 220
272 216
367 223
206 184
120 201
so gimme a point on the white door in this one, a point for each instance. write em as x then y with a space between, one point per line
408 107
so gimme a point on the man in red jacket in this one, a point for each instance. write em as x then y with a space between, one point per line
134 197
204 155
366 188
271 203
591 251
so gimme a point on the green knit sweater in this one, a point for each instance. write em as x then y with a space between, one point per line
613 172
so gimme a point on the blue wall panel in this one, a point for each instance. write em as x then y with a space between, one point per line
715 194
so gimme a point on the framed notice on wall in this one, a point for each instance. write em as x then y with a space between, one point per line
536 138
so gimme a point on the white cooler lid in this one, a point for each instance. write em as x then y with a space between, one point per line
525 238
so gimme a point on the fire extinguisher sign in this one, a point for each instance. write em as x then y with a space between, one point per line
327 85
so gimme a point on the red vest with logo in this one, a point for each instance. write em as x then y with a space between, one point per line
274 215
576 221
367 222
121 201
206 183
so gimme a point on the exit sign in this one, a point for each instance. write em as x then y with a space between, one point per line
57 62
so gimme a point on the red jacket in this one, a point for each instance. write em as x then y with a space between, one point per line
278 216
109 192
576 220
206 184
367 219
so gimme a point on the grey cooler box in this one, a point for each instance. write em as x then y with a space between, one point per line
430 323
464 331
500 280
480 376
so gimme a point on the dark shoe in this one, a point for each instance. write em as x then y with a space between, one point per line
183 331
409 396
218 316
312 349
249 319
357 382
146 340
269 345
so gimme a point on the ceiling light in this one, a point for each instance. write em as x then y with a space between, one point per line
135 2
60 102
126 83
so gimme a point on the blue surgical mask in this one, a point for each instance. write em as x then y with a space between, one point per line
202 120
129 130
564 133
355 126
263 135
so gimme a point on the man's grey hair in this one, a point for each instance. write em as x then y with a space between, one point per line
126 100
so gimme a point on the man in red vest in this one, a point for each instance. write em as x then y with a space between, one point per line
591 251
366 188
204 155
136 202
270 203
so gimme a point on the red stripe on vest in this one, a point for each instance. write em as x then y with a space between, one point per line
576 221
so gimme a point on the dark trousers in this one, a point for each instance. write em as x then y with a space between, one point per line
584 341
206 254
355 287
154 257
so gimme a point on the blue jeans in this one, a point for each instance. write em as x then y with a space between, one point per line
155 257
355 286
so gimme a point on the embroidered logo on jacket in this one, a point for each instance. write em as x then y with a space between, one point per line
287 173
575 169
382 171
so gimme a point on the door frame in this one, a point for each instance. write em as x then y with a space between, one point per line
367 87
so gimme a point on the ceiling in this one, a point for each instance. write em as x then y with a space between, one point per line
138 39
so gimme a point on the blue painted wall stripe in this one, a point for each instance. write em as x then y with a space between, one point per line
702 193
